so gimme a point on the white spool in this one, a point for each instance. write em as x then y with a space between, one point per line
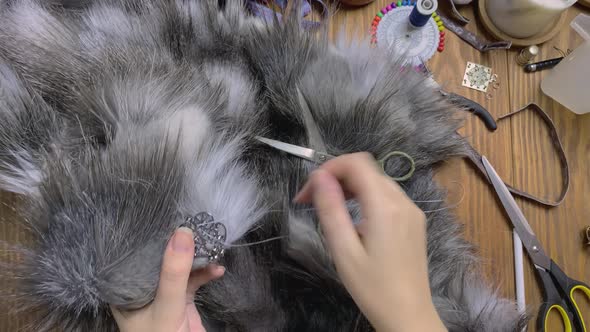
525 18
427 7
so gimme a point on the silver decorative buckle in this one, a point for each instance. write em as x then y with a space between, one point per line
209 236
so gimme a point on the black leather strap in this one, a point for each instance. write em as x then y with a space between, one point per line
475 158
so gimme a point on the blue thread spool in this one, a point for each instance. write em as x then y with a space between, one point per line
422 12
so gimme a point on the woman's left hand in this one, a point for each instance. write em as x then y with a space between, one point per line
173 308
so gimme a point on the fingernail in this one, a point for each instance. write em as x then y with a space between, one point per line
182 241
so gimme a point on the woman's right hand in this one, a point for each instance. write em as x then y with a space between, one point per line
382 261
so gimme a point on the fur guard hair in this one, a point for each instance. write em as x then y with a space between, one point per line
120 118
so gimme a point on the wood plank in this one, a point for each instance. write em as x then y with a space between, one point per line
10 234
486 228
537 170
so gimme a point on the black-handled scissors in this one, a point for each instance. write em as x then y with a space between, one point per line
558 288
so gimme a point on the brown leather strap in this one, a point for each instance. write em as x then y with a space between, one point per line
472 39
475 157
464 20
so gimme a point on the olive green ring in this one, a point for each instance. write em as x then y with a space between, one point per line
402 154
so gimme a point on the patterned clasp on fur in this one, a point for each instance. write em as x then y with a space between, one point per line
209 236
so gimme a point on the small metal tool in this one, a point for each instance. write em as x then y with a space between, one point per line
542 65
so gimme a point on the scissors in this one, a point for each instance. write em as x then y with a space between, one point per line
320 157
558 288
317 152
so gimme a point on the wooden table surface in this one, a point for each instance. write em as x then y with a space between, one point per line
520 150
522 153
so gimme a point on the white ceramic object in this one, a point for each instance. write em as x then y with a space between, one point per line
525 18
417 45
568 82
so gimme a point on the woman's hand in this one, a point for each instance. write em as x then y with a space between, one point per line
382 261
173 308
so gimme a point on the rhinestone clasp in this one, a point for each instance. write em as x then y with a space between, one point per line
209 236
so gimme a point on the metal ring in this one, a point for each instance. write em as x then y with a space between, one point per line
402 154
588 236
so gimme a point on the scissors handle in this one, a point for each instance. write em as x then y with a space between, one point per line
552 300
558 294
382 162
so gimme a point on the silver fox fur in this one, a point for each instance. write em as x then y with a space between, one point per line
120 118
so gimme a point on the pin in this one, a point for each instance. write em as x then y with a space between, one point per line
409 27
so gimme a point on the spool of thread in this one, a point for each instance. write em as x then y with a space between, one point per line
527 54
422 12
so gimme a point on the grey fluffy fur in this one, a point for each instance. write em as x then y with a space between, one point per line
118 119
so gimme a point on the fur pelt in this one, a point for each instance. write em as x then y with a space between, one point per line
120 118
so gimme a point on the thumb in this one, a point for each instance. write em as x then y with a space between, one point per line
170 300
202 276
328 199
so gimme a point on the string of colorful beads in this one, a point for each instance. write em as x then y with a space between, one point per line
392 6
441 31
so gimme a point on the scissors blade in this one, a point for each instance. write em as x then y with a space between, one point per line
521 225
313 132
295 150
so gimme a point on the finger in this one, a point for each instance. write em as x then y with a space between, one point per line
328 198
361 228
119 318
170 301
200 277
196 280
357 174
194 319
